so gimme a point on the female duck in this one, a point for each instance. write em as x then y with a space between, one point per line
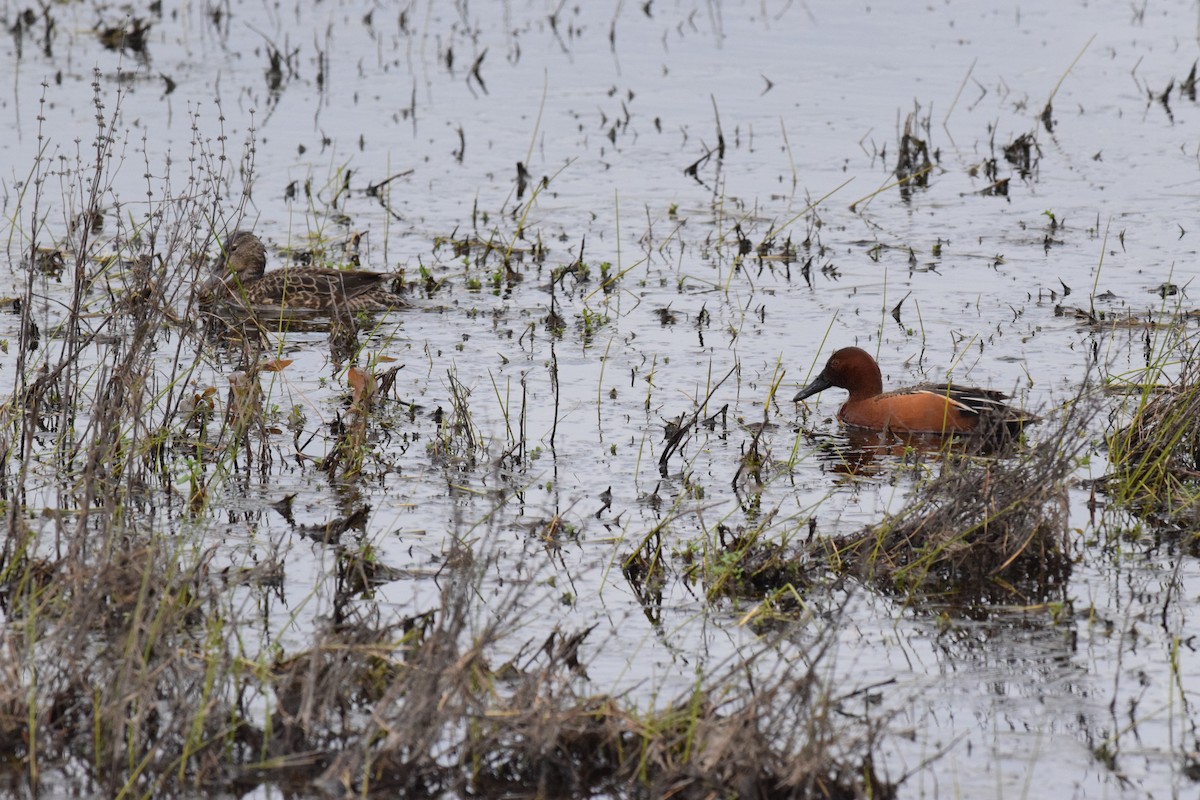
243 279
927 408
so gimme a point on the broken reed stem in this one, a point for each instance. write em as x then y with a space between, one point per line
554 387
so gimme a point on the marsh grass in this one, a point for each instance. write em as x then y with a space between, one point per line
757 563
1155 458
991 524
444 719
137 661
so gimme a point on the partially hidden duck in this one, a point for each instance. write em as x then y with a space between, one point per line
926 408
243 279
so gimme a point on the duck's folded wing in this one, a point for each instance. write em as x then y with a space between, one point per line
980 402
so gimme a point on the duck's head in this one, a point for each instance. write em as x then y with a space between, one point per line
850 368
245 258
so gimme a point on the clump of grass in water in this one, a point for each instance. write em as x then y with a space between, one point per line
367 388
419 708
1156 458
754 562
984 527
458 440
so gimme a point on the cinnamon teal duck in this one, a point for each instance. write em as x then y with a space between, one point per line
242 278
926 408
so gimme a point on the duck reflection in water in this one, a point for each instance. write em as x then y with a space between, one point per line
860 452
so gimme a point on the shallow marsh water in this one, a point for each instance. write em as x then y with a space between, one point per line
611 105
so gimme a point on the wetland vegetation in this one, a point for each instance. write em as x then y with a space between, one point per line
556 529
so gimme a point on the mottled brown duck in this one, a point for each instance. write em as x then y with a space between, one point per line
242 278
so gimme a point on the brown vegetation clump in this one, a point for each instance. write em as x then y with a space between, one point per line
432 717
987 525
913 164
1155 459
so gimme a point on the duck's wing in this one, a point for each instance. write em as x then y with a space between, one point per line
299 287
979 402
368 291
358 282
325 289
